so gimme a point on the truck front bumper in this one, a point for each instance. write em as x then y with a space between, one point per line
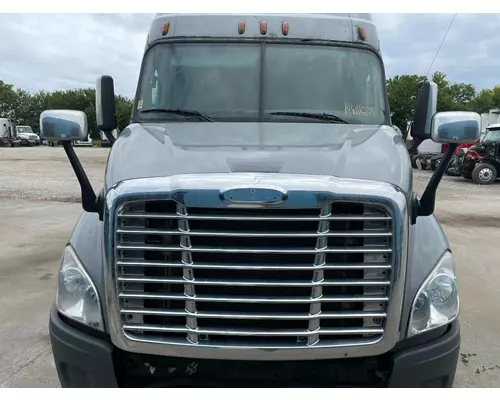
86 360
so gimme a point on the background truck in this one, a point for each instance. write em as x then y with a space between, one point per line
257 224
481 162
27 136
8 135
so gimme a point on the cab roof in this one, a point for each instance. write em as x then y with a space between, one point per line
329 27
493 127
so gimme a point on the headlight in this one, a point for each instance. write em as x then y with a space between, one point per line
77 296
437 302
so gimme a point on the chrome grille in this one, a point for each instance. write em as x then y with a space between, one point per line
267 277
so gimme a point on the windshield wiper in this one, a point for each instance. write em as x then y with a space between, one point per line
324 116
178 111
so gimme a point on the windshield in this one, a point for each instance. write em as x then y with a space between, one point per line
244 82
492 136
24 129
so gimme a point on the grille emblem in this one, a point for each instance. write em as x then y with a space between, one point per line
253 196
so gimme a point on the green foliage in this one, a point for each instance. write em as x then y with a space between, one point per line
25 108
483 101
402 90
7 99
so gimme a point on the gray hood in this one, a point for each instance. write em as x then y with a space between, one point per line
347 151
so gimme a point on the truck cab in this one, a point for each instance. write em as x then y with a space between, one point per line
27 136
257 225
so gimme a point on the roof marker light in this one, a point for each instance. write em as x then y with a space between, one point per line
263 27
241 27
284 28
361 32
164 29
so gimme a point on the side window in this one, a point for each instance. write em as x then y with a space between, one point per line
154 89
149 89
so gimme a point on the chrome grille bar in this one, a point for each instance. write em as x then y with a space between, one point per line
253 218
241 332
254 234
315 283
360 250
270 300
339 266
233 315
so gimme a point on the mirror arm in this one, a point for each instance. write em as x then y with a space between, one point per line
110 136
414 146
425 206
90 201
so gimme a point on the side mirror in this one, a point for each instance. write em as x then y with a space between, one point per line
460 127
67 126
63 125
454 127
424 110
105 104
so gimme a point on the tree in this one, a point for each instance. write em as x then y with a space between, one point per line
495 96
462 96
402 91
123 111
445 98
26 110
7 100
483 101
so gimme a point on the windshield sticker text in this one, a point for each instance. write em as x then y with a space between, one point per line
359 110
139 104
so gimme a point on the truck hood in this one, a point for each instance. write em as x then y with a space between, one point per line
483 147
28 136
347 151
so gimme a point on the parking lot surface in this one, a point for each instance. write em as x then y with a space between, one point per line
40 203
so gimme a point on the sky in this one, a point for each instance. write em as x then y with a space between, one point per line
66 51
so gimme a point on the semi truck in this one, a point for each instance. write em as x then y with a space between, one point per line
258 224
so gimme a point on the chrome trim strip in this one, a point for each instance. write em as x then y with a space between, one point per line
315 283
167 232
252 218
277 300
243 250
333 267
242 332
315 191
234 315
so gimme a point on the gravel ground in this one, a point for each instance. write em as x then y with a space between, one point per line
40 203
44 173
